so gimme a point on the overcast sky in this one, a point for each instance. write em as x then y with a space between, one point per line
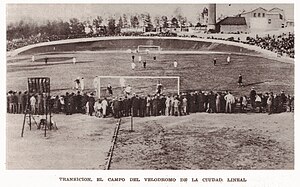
42 12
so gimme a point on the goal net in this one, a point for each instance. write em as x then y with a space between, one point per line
140 85
148 48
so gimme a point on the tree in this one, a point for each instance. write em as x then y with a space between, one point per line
125 21
174 23
164 22
76 27
134 21
97 24
179 16
157 21
119 25
111 26
148 23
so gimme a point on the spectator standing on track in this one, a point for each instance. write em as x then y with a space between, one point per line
32 58
215 61
74 60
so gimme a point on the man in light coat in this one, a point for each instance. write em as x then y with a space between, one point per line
229 101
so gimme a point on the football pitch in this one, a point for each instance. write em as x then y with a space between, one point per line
196 71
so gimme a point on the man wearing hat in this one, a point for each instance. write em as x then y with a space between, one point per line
91 102
252 98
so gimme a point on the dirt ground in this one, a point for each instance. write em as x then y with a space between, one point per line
207 141
81 142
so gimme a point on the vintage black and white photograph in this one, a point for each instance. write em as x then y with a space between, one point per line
150 86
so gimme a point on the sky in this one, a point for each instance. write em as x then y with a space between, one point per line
41 12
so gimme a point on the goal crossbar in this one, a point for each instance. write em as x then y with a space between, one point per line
145 47
136 77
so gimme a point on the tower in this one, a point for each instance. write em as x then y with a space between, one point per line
211 17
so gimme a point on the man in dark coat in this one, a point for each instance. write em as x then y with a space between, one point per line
201 101
67 103
142 106
134 104
252 98
91 104
282 105
77 102
155 104
84 100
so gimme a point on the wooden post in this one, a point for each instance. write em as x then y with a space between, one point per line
23 124
30 115
45 134
131 120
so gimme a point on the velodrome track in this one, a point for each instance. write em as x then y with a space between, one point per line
167 44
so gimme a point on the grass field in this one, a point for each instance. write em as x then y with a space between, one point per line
196 71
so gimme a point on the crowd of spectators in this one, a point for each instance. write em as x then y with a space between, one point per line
150 105
283 44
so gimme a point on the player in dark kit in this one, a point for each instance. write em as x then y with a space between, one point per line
144 63
109 89
132 58
215 61
46 60
240 80
159 88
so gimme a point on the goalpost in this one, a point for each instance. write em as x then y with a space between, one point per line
141 85
148 48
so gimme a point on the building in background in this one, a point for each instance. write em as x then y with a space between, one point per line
260 19
232 25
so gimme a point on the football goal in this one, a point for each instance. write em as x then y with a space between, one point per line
148 48
140 85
